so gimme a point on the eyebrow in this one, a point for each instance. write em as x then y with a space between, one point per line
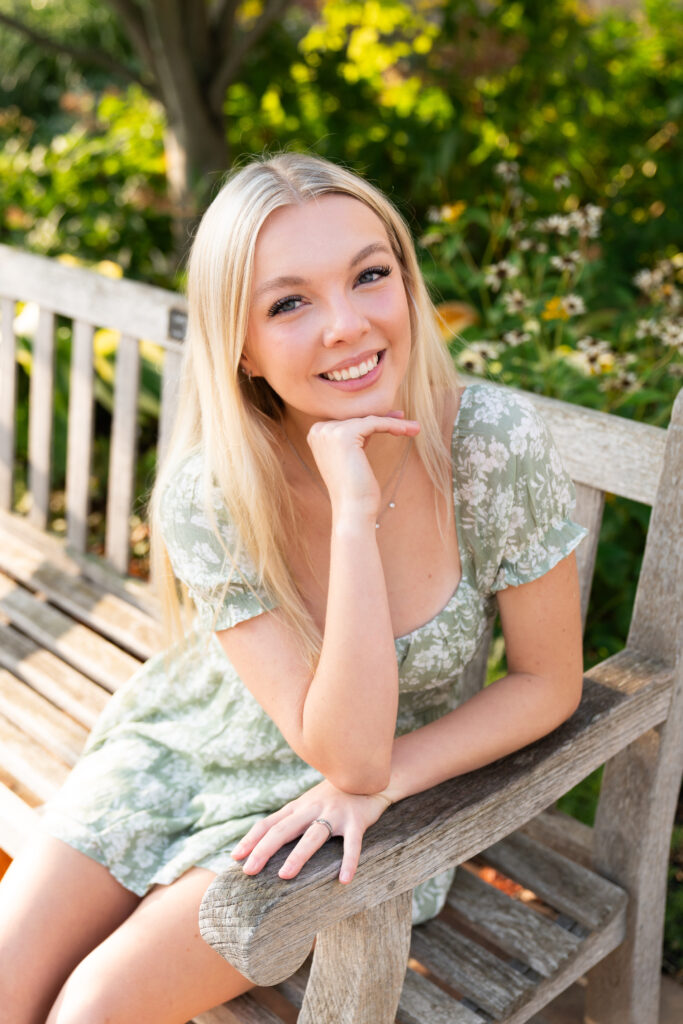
286 281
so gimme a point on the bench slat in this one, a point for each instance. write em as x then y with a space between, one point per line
511 925
590 504
422 1001
106 613
18 822
8 399
73 564
243 1010
81 294
40 719
170 380
30 763
569 887
121 480
61 684
80 434
78 645
468 967
40 418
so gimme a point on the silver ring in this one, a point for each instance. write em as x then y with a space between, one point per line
325 822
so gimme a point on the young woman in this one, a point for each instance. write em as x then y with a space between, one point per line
346 518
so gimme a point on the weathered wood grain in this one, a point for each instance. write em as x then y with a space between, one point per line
8 398
80 294
469 968
90 603
27 761
79 646
244 918
514 927
121 479
577 892
243 1010
40 719
422 1001
341 989
564 834
80 434
71 563
47 674
40 418
655 624
590 503
170 380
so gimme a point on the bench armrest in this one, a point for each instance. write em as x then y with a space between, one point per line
245 918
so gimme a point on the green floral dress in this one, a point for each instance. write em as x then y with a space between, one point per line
183 759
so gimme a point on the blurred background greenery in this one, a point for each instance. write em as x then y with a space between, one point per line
534 148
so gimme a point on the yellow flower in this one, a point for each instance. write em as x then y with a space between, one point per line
109 269
453 317
452 211
554 310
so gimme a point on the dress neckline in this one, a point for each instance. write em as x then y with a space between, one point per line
458 533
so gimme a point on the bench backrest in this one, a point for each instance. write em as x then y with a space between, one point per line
603 453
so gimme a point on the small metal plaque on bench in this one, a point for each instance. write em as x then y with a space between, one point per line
177 324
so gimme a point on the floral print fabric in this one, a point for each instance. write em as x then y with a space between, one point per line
183 759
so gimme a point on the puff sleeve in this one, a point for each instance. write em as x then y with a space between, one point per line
225 590
540 496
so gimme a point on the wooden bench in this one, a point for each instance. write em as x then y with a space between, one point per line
566 900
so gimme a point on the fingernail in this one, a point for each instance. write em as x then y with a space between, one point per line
345 876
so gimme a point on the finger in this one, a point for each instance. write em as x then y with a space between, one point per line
281 833
258 831
353 840
315 836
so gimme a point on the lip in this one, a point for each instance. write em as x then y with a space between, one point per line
356 361
358 383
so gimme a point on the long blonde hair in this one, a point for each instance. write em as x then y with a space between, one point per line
232 420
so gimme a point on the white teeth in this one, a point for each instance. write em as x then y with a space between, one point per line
353 372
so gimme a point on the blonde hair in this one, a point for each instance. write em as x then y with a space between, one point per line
233 420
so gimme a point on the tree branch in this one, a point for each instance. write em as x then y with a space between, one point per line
134 24
228 70
95 57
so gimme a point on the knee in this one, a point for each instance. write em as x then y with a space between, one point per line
86 998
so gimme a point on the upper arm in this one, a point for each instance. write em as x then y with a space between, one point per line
267 658
541 623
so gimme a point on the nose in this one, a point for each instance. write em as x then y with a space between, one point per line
344 321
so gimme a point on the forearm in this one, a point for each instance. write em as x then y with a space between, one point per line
503 717
348 724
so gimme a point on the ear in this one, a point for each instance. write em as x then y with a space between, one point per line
247 367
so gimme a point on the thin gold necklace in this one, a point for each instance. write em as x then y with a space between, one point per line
397 475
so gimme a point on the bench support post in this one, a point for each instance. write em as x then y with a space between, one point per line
359 966
631 843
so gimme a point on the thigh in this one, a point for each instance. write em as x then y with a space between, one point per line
56 905
154 968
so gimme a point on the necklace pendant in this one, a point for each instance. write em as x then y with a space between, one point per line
377 525
392 504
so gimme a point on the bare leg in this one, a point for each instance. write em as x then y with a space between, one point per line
56 905
154 968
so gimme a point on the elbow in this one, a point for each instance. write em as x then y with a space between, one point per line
360 782
572 693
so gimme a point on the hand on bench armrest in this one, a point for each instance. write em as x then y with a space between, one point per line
265 925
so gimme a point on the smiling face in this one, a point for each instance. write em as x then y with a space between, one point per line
329 324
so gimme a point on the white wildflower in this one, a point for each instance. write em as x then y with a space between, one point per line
516 337
573 305
499 272
561 181
507 170
646 328
486 349
472 361
514 301
525 244
567 261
